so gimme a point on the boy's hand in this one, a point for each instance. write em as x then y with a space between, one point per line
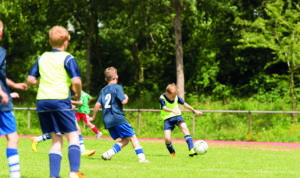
176 112
199 113
14 95
91 118
4 98
21 86
73 107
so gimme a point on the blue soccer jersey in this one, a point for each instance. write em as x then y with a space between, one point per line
3 83
111 98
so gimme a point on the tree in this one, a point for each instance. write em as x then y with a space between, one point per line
178 6
280 32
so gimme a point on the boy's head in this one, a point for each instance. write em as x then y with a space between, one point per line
111 74
59 37
171 91
1 29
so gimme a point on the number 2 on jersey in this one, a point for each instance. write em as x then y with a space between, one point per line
107 99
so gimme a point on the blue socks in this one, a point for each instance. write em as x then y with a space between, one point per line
170 148
116 148
74 157
189 141
81 143
46 137
13 162
55 160
140 153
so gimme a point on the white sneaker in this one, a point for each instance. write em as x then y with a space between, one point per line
98 136
106 156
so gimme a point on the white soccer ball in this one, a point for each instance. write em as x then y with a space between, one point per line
200 147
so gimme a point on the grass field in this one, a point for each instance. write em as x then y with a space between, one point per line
220 161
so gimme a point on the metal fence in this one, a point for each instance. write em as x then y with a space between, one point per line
193 127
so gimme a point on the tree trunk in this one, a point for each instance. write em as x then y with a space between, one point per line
138 64
179 51
178 8
89 50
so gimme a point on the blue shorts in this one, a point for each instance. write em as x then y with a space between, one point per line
122 130
169 124
8 123
59 122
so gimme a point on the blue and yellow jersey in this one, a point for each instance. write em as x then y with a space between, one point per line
55 70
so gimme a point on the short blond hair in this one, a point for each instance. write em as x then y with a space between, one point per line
110 73
58 35
1 25
172 89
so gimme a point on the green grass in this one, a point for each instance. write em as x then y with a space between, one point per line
218 162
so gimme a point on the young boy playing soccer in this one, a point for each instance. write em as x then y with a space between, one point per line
84 111
171 115
112 99
8 126
57 71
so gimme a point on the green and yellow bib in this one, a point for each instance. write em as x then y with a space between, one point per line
54 80
174 106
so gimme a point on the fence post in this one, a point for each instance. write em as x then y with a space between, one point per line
28 118
139 120
249 122
193 124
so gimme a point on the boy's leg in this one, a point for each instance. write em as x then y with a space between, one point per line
92 126
13 155
187 138
36 140
115 149
83 151
74 151
81 142
55 154
168 142
138 149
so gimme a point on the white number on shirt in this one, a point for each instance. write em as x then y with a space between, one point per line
107 98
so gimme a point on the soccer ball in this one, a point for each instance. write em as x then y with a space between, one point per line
200 147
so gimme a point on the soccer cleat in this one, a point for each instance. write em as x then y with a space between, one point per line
99 135
88 153
106 156
76 175
192 152
173 154
34 144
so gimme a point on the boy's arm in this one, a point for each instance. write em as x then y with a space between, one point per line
34 74
90 100
76 102
126 100
192 109
4 96
96 108
170 110
76 82
21 86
